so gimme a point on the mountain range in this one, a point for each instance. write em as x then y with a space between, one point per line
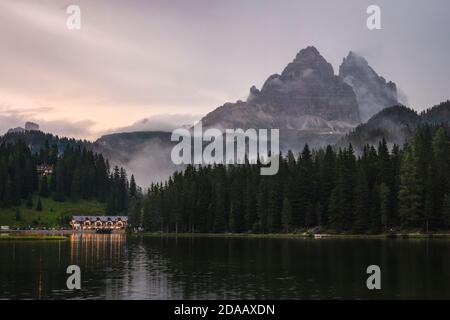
307 101
309 97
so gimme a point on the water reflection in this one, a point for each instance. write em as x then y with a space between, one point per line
93 250
119 267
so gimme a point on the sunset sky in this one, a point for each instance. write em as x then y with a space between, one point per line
173 61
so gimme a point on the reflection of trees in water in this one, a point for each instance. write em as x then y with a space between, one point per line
30 269
116 267
214 268
144 274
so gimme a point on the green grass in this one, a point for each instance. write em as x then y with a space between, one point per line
31 237
51 214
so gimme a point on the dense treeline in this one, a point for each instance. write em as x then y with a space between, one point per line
38 140
78 173
18 175
381 189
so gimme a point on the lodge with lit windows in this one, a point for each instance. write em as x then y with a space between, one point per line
44 170
99 223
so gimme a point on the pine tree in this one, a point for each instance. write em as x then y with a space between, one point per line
133 188
409 196
250 206
327 182
261 208
273 205
59 182
8 197
135 218
76 188
219 215
362 203
44 189
286 215
232 219
335 209
18 215
29 201
385 196
375 212
147 211
306 182
446 211
438 183
39 205
348 176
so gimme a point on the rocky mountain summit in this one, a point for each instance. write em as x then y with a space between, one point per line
373 92
306 96
308 102
29 126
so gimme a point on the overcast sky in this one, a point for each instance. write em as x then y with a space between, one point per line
179 59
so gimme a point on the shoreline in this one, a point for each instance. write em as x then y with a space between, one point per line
399 235
62 235
32 237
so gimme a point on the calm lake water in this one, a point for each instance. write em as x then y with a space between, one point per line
131 267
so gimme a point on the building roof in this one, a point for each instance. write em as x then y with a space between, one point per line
101 218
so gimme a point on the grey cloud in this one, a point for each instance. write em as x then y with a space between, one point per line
194 56
161 122
16 117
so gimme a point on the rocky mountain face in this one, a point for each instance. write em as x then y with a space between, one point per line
306 96
372 91
29 126
308 102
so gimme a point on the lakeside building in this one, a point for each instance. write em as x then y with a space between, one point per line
44 169
99 222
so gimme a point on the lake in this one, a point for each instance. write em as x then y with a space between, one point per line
118 266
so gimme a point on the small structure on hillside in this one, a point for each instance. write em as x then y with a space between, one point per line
99 222
31 126
44 169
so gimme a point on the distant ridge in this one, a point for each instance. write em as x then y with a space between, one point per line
396 125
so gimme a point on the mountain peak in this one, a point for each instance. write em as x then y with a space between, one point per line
308 52
354 59
306 97
307 62
372 91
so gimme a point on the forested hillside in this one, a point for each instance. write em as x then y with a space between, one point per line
383 189
38 140
396 125
76 174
